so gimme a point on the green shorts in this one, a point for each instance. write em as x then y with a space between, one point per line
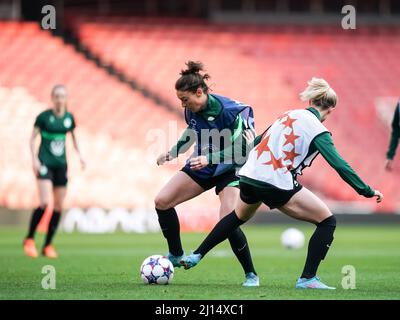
57 175
273 197
227 179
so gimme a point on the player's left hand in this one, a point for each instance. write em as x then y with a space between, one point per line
249 135
83 163
198 163
379 196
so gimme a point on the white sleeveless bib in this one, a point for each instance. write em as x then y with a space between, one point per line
283 150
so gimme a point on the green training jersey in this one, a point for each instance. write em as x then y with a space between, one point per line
53 131
212 110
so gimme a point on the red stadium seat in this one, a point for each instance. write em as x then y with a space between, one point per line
112 122
266 66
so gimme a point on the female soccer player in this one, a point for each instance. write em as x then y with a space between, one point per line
269 176
50 167
206 115
394 140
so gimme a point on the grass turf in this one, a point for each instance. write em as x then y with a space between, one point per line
106 266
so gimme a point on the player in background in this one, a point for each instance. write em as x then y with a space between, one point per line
50 167
205 112
289 145
394 140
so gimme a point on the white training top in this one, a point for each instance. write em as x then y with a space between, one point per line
284 149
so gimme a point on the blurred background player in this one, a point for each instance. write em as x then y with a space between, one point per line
394 140
50 167
269 176
205 111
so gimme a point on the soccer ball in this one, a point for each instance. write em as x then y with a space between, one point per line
292 238
156 269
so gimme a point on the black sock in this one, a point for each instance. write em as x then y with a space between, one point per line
318 246
170 228
240 247
221 232
53 224
37 214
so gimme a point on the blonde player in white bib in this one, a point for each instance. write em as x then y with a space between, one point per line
288 146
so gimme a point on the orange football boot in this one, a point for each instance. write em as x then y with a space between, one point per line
30 248
49 252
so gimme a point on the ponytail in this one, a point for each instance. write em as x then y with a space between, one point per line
191 79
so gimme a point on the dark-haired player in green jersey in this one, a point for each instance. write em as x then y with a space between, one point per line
50 167
394 139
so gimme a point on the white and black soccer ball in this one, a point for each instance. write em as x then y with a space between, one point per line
157 269
292 238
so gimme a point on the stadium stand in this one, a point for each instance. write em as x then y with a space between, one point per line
266 66
113 123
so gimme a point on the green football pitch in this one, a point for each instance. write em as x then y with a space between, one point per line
107 266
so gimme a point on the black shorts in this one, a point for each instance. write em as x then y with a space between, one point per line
273 197
57 175
227 179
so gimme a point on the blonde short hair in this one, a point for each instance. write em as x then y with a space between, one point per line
58 87
319 93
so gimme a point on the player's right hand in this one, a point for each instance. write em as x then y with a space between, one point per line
197 163
164 158
379 196
249 135
36 166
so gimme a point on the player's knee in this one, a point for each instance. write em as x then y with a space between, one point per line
161 202
58 206
43 204
224 210
244 215
328 222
